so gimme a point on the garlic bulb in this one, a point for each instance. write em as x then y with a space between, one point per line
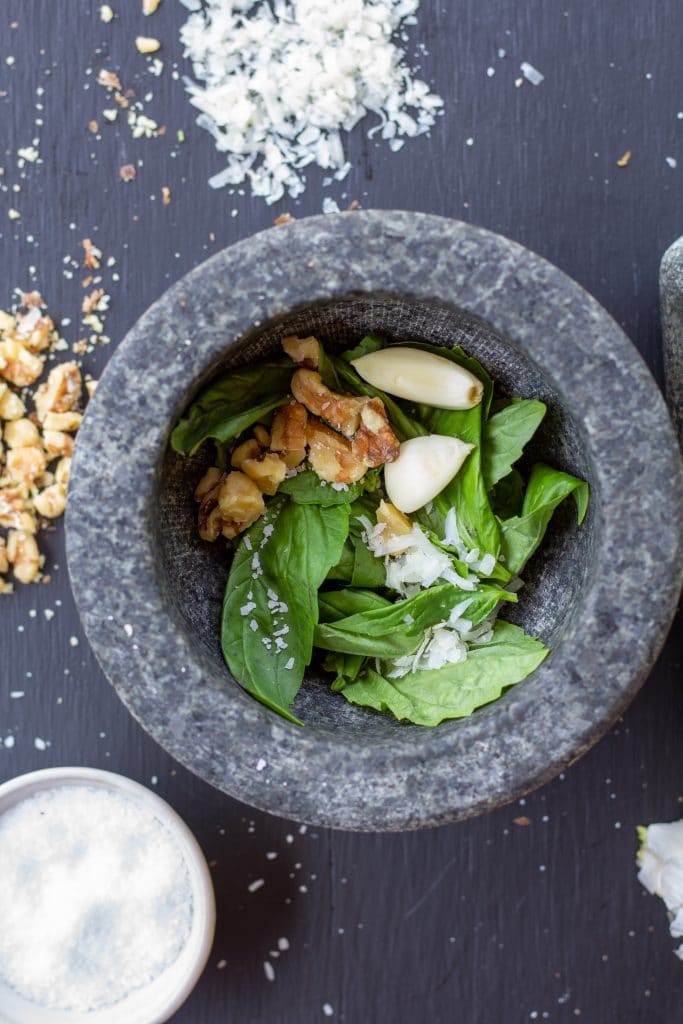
420 376
425 466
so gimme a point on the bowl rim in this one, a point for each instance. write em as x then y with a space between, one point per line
408 788
157 1002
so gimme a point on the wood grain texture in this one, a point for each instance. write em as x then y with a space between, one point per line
479 923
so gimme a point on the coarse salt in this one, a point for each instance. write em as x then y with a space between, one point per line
95 898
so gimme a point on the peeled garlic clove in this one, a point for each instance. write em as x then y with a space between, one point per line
425 466
420 376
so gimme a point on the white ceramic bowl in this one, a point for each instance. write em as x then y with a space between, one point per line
158 1001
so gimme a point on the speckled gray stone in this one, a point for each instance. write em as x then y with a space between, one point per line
671 289
602 596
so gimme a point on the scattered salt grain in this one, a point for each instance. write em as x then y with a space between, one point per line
83 924
289 664
260 764
672 162
283 945
127 629
257 884
327 1010
531 73
8 742
39 743
269 970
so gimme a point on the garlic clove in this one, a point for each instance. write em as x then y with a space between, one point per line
420 376
425 466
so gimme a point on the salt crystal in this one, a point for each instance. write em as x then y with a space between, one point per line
83 925
257 884
531 73
283 945
269 970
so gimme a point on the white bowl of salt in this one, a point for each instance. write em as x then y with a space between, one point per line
107 908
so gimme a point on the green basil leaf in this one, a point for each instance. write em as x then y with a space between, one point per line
505 435
397 629
346 667
547 488
454 691
308 489
507 495
339 604
247 391
286 555
370 343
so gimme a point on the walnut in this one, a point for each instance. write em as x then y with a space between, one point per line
294 458
397 524
262 435
18 365
21 434
36 333
250 449
62 470
15 511
51 502
375 442
61 391
331 455
230 506
289 428
304 351
11 406
57 443
4 564
341 411
67 421
241 503
206 484
23 554
268 471
25 465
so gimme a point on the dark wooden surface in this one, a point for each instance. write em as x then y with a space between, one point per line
487 922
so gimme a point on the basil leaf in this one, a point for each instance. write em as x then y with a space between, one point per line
249 391
347 668
547 488
339 604
454 691
507 495
505 435
286 555
370 343
308 489
397 629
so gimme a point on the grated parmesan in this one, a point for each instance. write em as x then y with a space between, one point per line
278 83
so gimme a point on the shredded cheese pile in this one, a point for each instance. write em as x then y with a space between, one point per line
278 83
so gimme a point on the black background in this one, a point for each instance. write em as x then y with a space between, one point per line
487 922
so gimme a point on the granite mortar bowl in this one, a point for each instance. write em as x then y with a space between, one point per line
149 591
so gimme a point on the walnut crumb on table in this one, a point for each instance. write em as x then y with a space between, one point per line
35 446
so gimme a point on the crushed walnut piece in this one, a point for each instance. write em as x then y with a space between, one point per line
127 172
341 436
91 254
35 445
